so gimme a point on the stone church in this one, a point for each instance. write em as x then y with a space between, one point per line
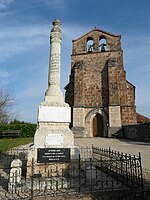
101 98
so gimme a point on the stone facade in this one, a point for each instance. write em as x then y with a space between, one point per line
98 91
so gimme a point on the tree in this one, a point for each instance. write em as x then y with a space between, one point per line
7 101
15 121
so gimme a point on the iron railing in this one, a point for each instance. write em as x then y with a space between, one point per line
96 170
126 168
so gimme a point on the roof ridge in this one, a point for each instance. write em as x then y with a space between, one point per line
97 29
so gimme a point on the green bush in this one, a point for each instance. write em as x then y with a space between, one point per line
27 129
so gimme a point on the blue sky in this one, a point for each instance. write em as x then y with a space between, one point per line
24 44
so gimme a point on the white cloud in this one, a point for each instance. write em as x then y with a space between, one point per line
4 74
32 92
15 40
55 4
5 3
5 77
72 31
51 4
23 32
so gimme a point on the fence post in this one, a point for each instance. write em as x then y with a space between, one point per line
136 174
121 168
79 167
92 154
142 185
32 172
130 167
109 151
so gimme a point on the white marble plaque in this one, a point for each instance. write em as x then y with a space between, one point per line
54 114
55 139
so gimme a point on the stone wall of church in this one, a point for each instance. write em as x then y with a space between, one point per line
139 132
91 75
82 121
98 80
128 115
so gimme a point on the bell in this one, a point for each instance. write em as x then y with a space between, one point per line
103 47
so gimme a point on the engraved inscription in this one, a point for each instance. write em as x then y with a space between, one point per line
51 155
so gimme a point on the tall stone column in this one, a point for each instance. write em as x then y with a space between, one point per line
54 115
53 95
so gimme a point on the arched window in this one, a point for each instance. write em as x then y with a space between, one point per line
89 45
102 44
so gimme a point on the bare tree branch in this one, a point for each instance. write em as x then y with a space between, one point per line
7 101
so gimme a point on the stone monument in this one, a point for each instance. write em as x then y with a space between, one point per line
54 115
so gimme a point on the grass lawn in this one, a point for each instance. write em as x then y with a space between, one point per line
6 144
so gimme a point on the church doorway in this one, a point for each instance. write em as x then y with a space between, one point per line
98 126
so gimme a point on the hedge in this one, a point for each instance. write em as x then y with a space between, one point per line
27 129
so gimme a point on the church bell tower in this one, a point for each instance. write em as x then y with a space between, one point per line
101 98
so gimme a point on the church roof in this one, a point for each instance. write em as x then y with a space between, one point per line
96 29
142 118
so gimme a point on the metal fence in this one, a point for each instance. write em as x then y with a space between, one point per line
96 170
124 167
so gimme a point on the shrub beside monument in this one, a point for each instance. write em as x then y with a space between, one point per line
26 129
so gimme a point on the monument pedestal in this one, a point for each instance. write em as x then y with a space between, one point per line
53 130
52 137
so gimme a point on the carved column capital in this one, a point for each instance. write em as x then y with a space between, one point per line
56 35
